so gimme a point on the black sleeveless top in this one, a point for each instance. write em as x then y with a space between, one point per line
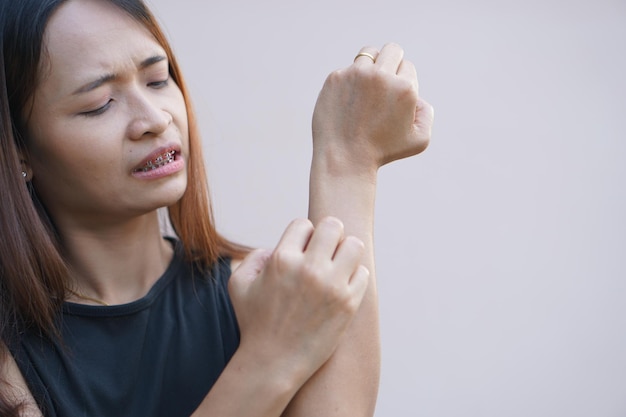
157 356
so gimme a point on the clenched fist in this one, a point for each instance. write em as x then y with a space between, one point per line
370 113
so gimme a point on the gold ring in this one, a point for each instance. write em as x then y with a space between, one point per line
370 56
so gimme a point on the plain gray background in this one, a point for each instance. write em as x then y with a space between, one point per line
502 249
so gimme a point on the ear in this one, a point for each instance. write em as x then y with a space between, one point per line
27 172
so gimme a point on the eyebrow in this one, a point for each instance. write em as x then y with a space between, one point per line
111 77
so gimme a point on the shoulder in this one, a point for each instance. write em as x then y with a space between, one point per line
14 386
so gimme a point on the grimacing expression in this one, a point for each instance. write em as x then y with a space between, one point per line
108 134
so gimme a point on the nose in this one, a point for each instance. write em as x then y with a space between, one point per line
148 116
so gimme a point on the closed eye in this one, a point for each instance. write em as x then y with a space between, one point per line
99 110
159 84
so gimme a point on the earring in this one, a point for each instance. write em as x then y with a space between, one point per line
24 174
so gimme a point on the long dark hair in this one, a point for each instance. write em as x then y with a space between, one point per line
33 271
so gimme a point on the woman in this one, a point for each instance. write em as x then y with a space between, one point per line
101 315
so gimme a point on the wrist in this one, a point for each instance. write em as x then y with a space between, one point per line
345 191
252 385
333 171
332 160
287 372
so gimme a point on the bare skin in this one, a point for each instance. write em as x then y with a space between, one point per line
321 349
367 115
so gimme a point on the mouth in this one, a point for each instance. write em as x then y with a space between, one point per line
158 161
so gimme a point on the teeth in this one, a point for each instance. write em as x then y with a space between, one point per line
159 161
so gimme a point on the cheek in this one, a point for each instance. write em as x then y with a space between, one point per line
71 153
179 112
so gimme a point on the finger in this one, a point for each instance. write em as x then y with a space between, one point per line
348 256
366 56
325 239
407 71
390 57
248 270
296 235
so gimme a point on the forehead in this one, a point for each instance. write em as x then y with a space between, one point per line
87 37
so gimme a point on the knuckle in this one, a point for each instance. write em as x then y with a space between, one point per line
313 273
362 73
406 88
374 75
336 295
284 259
349 304
334 77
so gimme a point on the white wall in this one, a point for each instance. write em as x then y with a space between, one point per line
502 249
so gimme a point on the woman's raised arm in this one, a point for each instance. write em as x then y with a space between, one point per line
366 115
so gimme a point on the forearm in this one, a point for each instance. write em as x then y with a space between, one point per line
367 115
249 387
347 385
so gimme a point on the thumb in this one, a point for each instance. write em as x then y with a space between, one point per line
424 118
422 125
249 269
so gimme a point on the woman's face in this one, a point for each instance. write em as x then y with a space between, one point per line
107 137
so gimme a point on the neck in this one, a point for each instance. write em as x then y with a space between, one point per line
117 264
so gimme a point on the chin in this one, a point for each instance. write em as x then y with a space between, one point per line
174 195
171 198
167 195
